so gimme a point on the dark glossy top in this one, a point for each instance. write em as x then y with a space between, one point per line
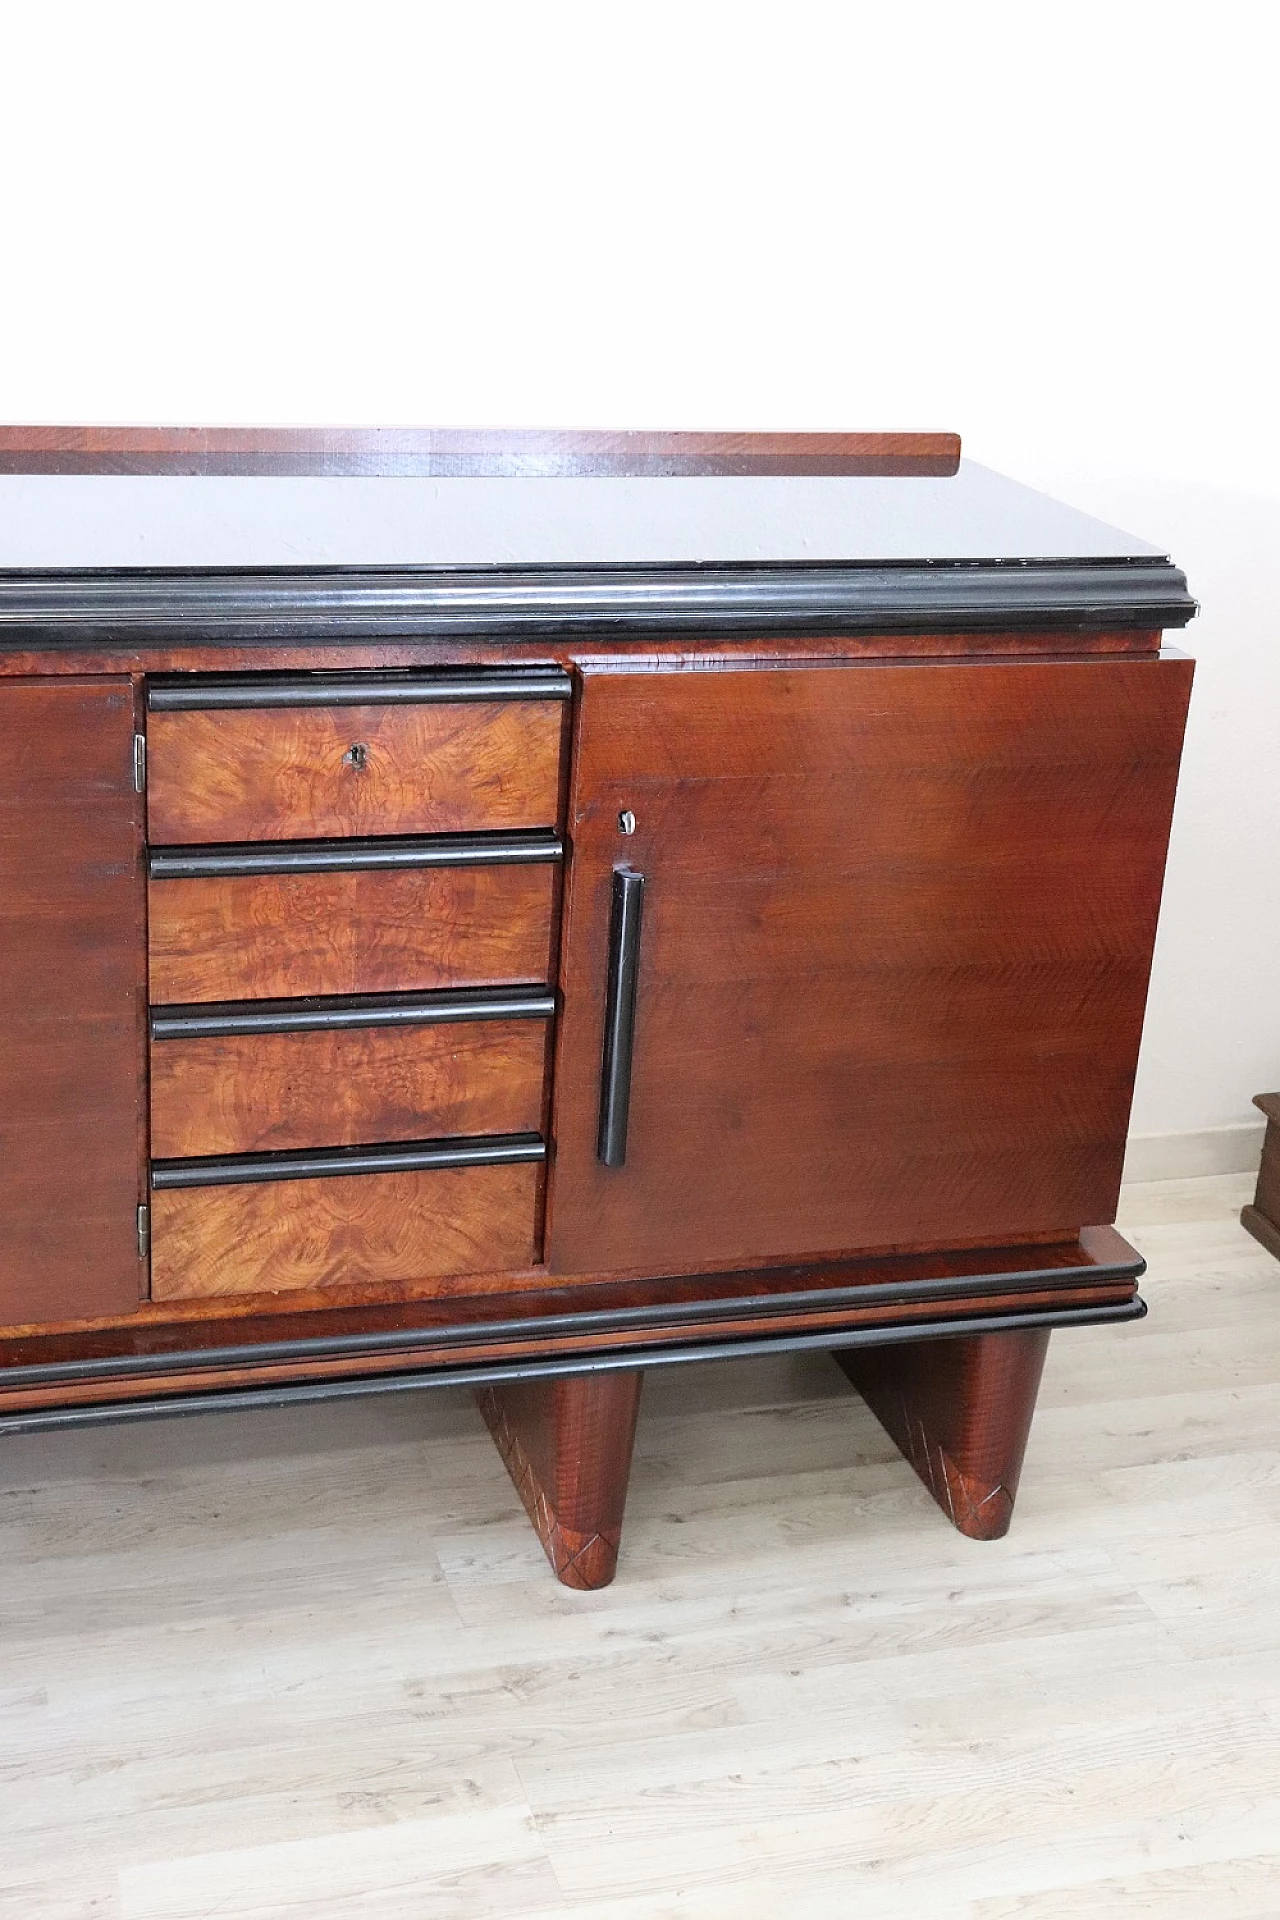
102 557
95 520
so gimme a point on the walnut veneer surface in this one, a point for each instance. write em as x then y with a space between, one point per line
365 1229
417 1099
264 1092
276 935
263 774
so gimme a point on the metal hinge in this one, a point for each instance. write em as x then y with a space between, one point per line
139 762
144 1231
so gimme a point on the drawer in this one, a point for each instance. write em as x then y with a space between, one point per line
354 757
275 924
340 1229
253 1079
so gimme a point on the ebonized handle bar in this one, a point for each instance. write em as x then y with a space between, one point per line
357 1010
626 911
413 1156
342 856
344 690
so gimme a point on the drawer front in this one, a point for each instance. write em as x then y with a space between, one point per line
358 930
259 1092
377 1230
310 772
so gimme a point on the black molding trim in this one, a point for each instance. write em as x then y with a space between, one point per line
410 1156
245 1399
590 1320
202 607
625 919
221 1019
345 856
364 690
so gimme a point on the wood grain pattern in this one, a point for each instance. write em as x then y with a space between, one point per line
267 936
71 1037
897 931
567 1445
103 654
440 1360
960 1411
1100 1266
288 773
278 1236
264 1093
528 452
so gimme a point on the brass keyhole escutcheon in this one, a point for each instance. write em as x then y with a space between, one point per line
356 756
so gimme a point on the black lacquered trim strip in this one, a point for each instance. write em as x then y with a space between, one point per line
412 1156
628 1360
219 1020
896 1293
203 607
192 695
626 913
347 856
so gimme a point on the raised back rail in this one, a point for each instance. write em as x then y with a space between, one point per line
467 452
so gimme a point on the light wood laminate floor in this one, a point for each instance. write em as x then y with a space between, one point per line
313 1663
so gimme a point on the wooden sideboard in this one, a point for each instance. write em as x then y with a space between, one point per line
591 926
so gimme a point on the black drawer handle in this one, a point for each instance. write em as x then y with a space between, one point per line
333 1163
620 1014
219 1019
192 694
520 848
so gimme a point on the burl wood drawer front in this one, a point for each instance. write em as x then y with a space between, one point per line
268 1092
250 759
311 771
360 930
375 1229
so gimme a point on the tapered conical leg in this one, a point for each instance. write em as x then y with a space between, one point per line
567 1445
960 1410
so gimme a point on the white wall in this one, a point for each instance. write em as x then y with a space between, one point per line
1052 227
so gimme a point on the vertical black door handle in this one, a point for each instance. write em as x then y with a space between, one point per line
620 1014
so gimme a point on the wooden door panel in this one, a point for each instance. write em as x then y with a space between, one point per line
897 930
71 961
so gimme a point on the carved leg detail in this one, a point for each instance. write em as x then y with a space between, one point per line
567 1446
960 1410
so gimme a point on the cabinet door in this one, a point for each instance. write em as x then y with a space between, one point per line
71 972
896 930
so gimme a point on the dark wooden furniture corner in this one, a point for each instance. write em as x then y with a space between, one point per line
1262 1219
524 975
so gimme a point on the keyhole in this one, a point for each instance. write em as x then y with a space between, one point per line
626 821
357 756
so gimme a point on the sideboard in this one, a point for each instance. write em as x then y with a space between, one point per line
514 911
